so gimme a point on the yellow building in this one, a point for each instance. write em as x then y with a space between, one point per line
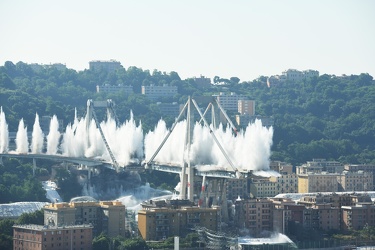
274 185
105 216
317 182
159 220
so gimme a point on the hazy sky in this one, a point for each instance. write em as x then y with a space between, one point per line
242 38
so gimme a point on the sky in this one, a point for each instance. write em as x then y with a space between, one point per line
242 38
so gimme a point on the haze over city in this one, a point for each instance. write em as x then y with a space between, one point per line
245 39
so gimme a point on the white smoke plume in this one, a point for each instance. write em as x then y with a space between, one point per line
37 138
53 137
22 145
4 133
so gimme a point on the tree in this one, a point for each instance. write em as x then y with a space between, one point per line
101 242
133 244
36 217
234 80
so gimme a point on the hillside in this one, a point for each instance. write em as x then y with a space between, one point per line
325 117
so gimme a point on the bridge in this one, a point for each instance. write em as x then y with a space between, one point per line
92 143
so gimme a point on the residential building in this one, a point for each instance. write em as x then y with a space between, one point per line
254 215
39 67
285 212
285 183
294 75
246 107
105 216
169 109
202 82
229 101
237 188
361 167
356 181
336 200
310 73
281 167
159 220
322 217
317 182
107 88
109 66
272 186
320 165
38 237
156 92
356 217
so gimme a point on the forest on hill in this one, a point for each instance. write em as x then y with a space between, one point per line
329 116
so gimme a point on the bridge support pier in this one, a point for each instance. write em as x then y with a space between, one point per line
89 170
34 166
1 161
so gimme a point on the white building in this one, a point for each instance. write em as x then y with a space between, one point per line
114 88
155 92
109 66
229 101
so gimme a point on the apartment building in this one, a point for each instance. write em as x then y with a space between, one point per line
237 188
39 67
169 109
202 82
105 216
109 66
246 107
254 215
356 181
229 101
159 220
285 212
272 186
294 75
356 217
107 88
156 92
281 167
361 167
322 216
38 237
318 182
320 165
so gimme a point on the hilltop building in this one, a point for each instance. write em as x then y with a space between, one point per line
246 107
106 88
292 75
37 237
109 66
202 82
156 92
39 67
229 101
